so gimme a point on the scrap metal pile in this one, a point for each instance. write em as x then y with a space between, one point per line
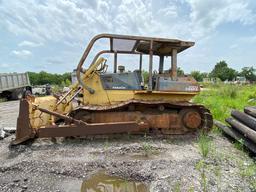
6 131
242 127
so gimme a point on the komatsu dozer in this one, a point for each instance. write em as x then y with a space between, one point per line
121 101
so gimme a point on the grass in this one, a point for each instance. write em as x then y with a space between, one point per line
147 149
177 187
201 167
221 98
106 144
205 147
217 173
204 144
239 144
191 189
248 172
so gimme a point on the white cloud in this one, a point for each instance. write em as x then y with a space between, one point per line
29 44
207 15
77 20
4 65
68 25
54 20
248 39
22 53
234 46
169 11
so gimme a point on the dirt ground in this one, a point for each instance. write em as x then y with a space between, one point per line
163 164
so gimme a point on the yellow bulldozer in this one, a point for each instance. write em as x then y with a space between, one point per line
120 101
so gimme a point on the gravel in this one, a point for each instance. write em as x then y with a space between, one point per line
170 164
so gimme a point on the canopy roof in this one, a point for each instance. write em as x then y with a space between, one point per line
141 44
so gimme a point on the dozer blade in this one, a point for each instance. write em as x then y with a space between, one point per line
25 132
90 129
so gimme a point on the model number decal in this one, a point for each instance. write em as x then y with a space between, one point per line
118 87
192 88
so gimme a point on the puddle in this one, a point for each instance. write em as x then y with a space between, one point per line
143 157
101 182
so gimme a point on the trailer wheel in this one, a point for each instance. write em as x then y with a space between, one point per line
17 94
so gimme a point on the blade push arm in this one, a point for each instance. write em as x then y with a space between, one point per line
93 68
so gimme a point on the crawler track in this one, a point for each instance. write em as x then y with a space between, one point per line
157 116
136 117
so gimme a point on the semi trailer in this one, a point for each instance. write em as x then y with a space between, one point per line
14 85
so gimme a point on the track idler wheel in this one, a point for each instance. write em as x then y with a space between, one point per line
191 118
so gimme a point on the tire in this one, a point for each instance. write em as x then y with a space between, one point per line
7 95
17 94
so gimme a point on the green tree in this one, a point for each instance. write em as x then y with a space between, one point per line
197 75
43 78
222 71
180 72
249 73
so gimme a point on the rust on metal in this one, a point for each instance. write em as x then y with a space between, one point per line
135 101
67 118
191 115
92 129
24 131
191 118
108 121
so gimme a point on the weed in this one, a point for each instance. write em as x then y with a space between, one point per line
252 95
191 189
129 136
147 148
229 91
106 144
217 173
248 172
216 130
126 186
204 144
177 187
145 135
239 144
201 167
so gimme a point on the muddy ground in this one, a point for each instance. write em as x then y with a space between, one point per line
163 164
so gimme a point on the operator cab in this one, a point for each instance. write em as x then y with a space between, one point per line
157 80
122 80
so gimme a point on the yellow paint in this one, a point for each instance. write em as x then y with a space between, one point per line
101 97
37 118
108 97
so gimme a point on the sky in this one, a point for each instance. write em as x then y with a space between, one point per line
51 35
